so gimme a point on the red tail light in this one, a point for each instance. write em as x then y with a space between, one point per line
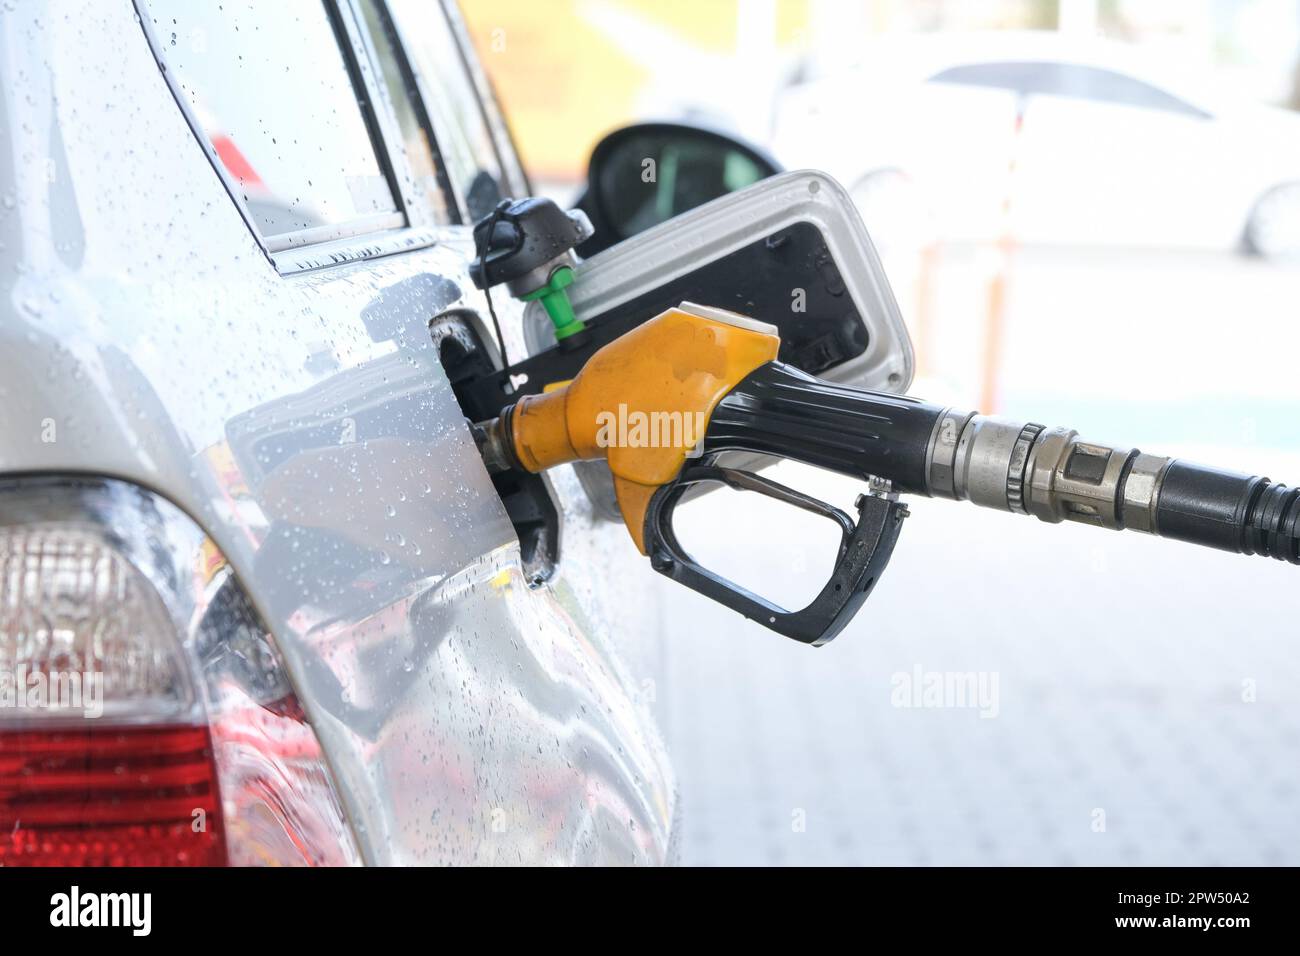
146 718
105 796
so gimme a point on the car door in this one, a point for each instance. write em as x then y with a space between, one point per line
290 283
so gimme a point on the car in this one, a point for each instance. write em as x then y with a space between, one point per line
1039 137
260 601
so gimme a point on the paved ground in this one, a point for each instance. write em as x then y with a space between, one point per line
1141 699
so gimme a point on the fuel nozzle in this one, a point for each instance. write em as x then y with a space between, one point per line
528 245
664 403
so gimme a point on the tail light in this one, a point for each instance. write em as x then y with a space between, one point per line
145 714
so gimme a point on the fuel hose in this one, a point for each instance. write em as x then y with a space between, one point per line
1020 467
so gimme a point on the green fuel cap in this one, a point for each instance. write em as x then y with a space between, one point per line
556 302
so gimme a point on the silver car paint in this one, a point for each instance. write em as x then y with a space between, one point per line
467 717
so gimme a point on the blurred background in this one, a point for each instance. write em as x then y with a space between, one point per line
1090 214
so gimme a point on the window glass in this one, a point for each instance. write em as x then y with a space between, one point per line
1017 77
269 85
1107 86
1064 79
427 187
464 137
689 171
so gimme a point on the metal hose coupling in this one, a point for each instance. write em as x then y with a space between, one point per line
1049 473
1027 468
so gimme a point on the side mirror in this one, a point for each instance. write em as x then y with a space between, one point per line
644 174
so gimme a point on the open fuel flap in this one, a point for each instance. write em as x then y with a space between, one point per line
791 251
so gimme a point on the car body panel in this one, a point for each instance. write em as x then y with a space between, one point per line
305 422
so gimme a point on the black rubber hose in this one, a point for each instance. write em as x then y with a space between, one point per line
1246 514
779 410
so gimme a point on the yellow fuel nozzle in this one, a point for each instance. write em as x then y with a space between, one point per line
641 402
702 382
663 401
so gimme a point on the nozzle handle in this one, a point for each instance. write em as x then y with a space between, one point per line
865 549
782 411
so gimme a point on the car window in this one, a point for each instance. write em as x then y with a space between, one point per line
464 136
1065 79
688 174
270 87
429 183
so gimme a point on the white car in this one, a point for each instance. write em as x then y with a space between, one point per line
1039 138
260 601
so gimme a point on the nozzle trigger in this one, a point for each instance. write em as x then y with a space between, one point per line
866 545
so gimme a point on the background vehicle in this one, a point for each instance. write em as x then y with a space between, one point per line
235 484
1046 139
